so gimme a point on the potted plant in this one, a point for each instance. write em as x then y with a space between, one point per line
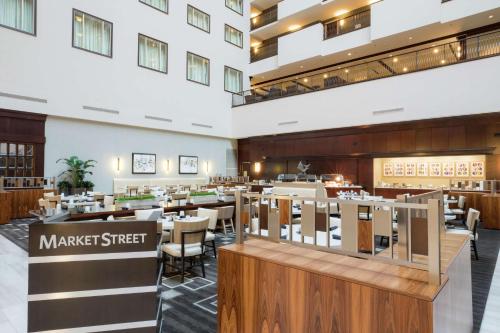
74 175
64 186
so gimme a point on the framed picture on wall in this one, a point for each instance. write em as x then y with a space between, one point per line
188 165
388 170
435 169
448 169
144 164
477 169
462 169
422 169
411 169
399 169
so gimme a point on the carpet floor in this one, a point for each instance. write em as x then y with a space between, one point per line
192 305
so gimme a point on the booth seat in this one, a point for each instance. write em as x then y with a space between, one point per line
120 184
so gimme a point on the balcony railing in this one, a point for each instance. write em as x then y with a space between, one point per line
265 50
348 24
467 49
268 16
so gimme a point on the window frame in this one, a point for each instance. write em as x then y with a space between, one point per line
158 9
241 79
241 32
138 53
35 16
187 68
242 7
73 33
16 156
209 19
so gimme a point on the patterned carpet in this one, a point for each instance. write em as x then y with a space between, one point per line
192 306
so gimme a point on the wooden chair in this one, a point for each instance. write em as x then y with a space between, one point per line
225 214
188 242
212 224
460 211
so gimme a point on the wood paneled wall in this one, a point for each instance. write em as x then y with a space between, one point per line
25 127
351 150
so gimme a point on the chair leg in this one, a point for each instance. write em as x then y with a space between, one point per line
215 249
202 265
232 224
475 249
182 269
224 226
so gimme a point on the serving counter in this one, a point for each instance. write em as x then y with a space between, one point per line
275 287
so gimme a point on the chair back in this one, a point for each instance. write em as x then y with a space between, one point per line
195 232
212 216
44 204
109 200
472 218
145 214
48 195
382 221
226 213
54 200
461 201
179 196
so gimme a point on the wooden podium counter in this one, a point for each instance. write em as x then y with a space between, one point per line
273 287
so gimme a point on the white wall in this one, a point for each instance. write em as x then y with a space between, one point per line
106 142
467 88
46 66
300 45
290 7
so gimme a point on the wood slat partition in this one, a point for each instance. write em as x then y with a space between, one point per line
24 200
5 207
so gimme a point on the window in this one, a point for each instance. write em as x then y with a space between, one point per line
92 34
233 36
16 160
161 5
152 54
198 19
236 5
18 15
198 69
233 80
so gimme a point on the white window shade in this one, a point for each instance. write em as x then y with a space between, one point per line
152 54
18 14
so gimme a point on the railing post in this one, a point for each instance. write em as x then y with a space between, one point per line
239 210
434 241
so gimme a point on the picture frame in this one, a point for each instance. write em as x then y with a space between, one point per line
388 170
188 165
477 169
411 169
422 169
462 169
143 164
448 169
435 169
399 169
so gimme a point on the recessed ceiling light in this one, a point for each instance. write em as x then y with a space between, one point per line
490 17
306 80
405 69
410 38
340 12
395 60
347 71
349 54
436 50
301 66
443 62
325 76
293 27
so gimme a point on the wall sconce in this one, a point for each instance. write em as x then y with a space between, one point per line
206 167
166 166
117 164
257 167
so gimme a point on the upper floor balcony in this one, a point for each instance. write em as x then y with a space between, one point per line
404 62
267 16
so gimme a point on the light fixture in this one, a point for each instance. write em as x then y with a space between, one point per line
443 62
459 54
117 164
340 12
459 48
436 50
206 167
293 27
346 71
306 80
342 22
79 18
349 54
301 66
255 44
490 17
405 69
257 167
254 20
410 38
166 165
395 60
325 76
